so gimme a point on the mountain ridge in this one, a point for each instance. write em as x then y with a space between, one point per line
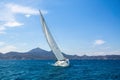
40 54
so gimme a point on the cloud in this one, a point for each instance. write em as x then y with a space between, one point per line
8 48
2 43
10 11
7 19
99 42
97 53
27 15
19 9
2 30
13 24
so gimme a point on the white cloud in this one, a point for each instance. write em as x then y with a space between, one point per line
2 28
97 53
2 32
18 9
13 24
99 42
27 15
9 12
7 19
21 9
8 48
2 43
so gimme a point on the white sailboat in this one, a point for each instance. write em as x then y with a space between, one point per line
61 60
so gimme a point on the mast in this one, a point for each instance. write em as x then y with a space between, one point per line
50 39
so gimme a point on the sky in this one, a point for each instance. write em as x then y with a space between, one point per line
80 27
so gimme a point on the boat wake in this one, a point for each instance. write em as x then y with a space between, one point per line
52 64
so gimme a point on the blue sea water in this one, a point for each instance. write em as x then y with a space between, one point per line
43 70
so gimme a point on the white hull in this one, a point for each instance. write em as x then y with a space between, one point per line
63 63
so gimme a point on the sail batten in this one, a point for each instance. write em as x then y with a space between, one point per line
50 39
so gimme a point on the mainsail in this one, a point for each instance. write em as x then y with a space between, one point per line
50 39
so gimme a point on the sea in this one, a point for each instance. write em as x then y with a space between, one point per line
44 70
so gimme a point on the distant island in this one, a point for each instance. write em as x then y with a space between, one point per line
40 54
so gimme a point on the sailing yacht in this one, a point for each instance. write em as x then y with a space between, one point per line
61 60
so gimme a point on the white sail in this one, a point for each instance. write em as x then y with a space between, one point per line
50 40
